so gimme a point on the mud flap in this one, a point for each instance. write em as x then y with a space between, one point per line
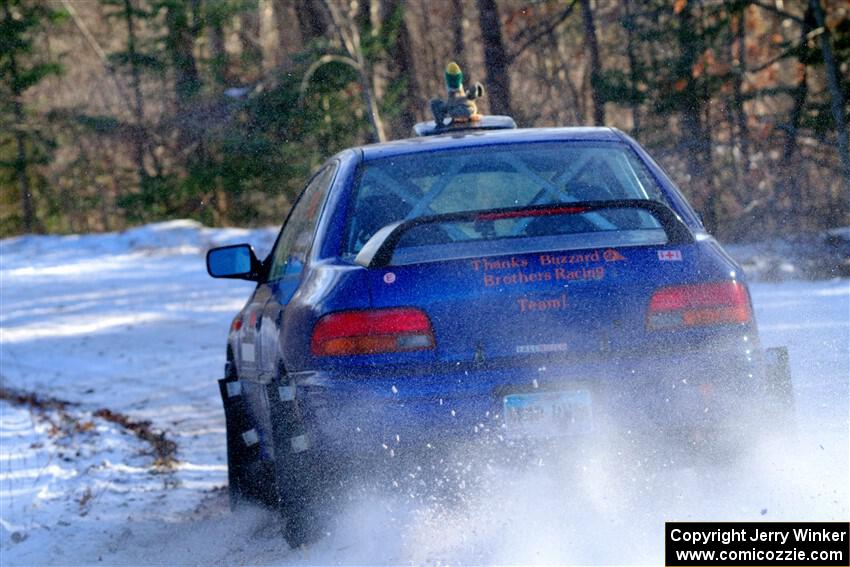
243 445
779 389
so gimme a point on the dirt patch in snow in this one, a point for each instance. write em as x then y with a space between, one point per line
63 422
164 449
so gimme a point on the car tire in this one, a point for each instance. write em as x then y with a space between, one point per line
301 480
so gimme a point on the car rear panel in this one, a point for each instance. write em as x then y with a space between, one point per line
572 320
513 307
655 395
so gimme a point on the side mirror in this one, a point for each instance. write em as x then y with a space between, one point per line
236 262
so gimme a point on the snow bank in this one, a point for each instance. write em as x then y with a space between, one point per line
813 256
162 238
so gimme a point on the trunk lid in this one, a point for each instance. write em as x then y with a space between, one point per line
576 302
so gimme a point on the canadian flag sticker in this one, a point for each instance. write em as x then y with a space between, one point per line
670 255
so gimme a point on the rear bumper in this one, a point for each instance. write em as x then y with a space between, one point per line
657 394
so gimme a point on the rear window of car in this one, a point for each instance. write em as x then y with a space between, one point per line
500 176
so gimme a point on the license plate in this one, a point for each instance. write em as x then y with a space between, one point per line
548 414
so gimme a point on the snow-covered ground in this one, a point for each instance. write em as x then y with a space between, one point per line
131 322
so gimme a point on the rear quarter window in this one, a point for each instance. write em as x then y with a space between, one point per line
296 237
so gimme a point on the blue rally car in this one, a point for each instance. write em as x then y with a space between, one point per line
483 281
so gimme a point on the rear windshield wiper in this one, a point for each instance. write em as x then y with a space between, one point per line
378 251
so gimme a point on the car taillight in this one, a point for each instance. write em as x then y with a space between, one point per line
699 305
372 331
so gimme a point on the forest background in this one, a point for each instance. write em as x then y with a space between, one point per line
120 112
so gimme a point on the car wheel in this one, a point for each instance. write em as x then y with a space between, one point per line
301 479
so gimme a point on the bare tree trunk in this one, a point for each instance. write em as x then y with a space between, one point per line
431 79
595 63
103 203
312 21
633 68
219 60
249 37
837 98
696 140
563 52
285 22
734 111
21 161
136 82
789 148
180 44
27 209
738 100
372 109
404 66
495 57
378 67
788 183
458 43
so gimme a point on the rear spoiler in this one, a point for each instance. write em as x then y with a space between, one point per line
378 251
